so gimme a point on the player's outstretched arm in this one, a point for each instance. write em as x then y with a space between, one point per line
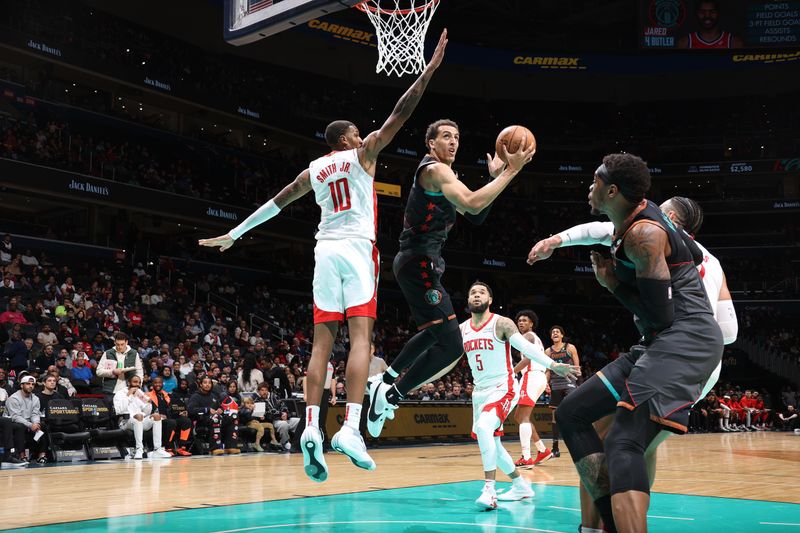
473 202
296 189
580 235
506 330
651 301
378 140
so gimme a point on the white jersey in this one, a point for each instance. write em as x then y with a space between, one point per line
345 193
534 365
711 274
489 358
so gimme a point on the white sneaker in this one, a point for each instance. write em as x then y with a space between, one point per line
351 443
487 500
313 460
518 491
138 453
379 408
160 453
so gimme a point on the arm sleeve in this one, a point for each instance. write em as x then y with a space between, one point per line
726 318
480 217
588 234
530 350
261 215
659 312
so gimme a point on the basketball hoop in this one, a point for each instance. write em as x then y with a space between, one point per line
400 27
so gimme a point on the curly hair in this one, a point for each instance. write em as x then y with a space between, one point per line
629 173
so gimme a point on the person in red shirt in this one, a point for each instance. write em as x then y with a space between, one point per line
13 315
749 406
762 413
737 413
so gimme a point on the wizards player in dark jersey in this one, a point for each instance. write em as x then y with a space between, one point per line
558 387
435 198
652 273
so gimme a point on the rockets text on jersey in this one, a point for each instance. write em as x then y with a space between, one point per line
345 193
489 358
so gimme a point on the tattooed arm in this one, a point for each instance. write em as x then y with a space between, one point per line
646 246
296 189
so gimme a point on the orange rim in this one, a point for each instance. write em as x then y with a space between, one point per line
364 6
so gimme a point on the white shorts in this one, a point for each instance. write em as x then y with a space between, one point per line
533 384
499 400
345 279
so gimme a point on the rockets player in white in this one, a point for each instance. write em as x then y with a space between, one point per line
531 386
488 339
686 214
346 263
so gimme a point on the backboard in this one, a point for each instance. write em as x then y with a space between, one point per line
250 20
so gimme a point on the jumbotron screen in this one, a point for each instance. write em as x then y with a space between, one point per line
704 25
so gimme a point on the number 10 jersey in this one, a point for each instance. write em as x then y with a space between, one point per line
345 193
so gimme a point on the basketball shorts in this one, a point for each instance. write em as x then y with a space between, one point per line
419 277
501 400
557 395
345 279
533 384
670 373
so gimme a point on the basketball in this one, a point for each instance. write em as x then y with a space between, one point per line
511 137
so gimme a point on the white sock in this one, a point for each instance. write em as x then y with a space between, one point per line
352 417
540 445
312 416
489 484
590 530
519 480
525 433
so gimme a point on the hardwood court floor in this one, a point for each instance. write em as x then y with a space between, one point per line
751 466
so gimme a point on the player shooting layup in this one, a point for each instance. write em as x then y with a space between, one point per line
346 263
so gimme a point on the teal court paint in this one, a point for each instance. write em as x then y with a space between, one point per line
442 508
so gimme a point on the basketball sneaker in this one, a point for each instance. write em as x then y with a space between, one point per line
313 460
524 463
543 456
487 500
520 490
351 443
379 407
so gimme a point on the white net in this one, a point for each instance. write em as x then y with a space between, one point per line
400 27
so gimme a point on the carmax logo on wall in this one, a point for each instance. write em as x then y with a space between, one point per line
551 62
343 32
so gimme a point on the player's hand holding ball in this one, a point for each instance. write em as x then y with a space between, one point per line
515 146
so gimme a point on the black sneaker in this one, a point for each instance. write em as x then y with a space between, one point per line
556 453
42 460
13 462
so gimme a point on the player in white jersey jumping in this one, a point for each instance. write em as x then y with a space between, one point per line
531 386
346 263
688 215
488 339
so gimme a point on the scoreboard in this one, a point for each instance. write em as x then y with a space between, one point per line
665 24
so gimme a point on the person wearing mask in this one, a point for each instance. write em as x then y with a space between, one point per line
138 415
